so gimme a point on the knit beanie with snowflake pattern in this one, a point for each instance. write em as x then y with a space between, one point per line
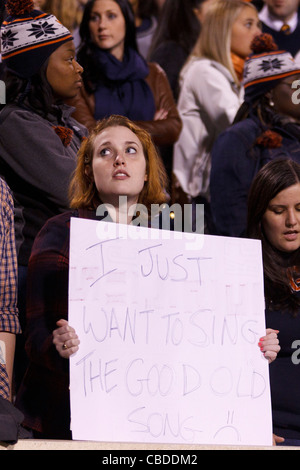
266 67
29 37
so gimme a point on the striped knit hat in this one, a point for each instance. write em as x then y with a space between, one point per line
266 67
29 37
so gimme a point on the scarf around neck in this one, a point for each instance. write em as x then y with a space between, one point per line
123 89
238 65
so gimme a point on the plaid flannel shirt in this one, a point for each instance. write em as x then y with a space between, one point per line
43 397
9 320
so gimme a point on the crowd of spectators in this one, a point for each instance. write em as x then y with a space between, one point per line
206 93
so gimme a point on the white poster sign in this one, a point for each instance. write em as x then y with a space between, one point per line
169 326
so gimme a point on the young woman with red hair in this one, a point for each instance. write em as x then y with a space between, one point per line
117 159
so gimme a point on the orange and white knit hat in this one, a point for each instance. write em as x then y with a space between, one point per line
266 67
29 37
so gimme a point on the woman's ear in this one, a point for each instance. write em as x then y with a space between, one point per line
146 178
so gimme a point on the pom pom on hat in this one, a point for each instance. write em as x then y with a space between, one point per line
269 139
19 7
263 43
266 67
64 133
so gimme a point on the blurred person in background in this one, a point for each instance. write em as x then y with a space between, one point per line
266 127
178 30
210 95
146 14
281 20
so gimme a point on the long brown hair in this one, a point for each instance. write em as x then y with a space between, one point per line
273 178
83 192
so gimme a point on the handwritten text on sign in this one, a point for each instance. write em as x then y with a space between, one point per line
169 338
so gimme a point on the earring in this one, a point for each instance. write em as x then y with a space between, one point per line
271 103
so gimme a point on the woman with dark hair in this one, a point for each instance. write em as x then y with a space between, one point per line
117 159
267 126
274 218
117 80
88 36
178 30
39 139
146 13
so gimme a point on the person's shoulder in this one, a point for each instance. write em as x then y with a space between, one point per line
13 110
157 77
61 220
247 129
55 234
239 137
200 70
155 69
202 64
15 118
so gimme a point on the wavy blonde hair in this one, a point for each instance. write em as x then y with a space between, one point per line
215 38
83 192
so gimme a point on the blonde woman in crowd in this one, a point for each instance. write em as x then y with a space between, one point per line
211 93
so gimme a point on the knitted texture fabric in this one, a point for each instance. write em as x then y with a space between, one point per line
29 37
266 66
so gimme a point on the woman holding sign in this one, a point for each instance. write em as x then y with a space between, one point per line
118 159
274 217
